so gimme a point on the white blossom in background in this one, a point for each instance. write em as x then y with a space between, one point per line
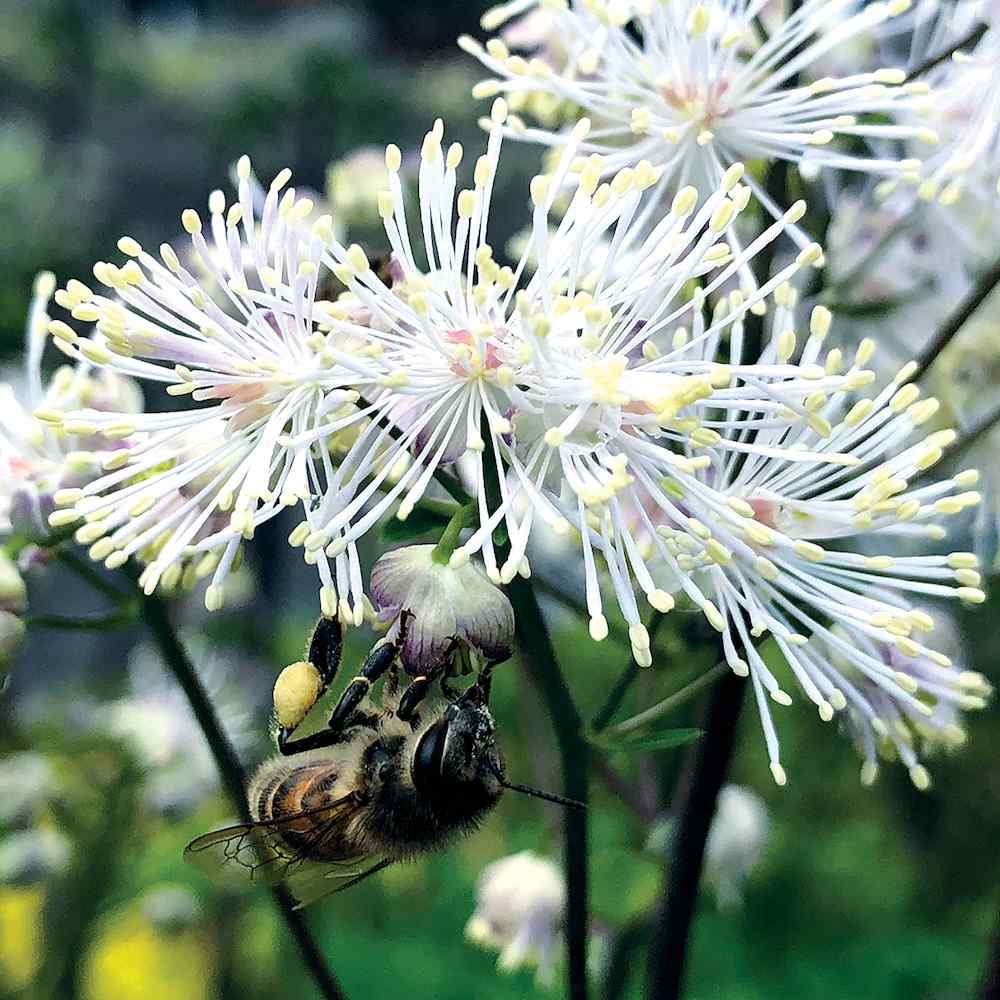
520 901
888 728
154 719
693 87
948 203
36 457
194 483
736 841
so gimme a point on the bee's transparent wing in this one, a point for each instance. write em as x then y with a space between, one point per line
260 852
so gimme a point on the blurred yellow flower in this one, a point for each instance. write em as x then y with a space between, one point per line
20 935
130 960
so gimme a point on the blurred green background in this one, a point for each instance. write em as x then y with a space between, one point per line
116 116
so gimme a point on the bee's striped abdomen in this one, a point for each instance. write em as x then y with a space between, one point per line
304 789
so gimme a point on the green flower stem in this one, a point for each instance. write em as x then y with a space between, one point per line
928 64
539 660
694 806
84 623
154 613
975 432
681 697
963 312
625 680
461 519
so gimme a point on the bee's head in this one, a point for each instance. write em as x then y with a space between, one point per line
457 764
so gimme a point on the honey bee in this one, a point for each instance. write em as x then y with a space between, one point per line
383 782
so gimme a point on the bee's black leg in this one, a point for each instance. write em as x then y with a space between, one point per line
376 663
326 648
412 697
324 654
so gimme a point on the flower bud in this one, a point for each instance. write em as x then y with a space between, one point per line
448 603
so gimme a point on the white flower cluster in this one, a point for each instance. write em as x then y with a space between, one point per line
626 384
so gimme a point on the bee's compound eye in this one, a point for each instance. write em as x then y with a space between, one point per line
428 759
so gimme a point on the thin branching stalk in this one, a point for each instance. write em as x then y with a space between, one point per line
974 433
694 806
668 704
931 61
539 660
954 323
625 680
154 613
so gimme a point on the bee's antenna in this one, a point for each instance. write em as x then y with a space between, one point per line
539 794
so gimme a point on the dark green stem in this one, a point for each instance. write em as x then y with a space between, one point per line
621 963
975 433
990 987
694 806
928 64
83 623
84 569
154 613
963 312
538 658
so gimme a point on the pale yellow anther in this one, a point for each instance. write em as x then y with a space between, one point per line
714 616
858 412
740 506
598 628
698 528
972 595
660 600
684 202
385 203
705 437
865 352
785 345
812 254
810 551
759 534
129 246
393 158
794 214
722 216
904 397
539 188
191 221
819 321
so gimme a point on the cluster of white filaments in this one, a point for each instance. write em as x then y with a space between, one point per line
190 484
37 457
756 511
596 388
697 87
966 115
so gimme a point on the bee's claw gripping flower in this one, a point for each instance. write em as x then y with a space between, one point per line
447 603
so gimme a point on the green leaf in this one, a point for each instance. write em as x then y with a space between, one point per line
661 739
420 522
